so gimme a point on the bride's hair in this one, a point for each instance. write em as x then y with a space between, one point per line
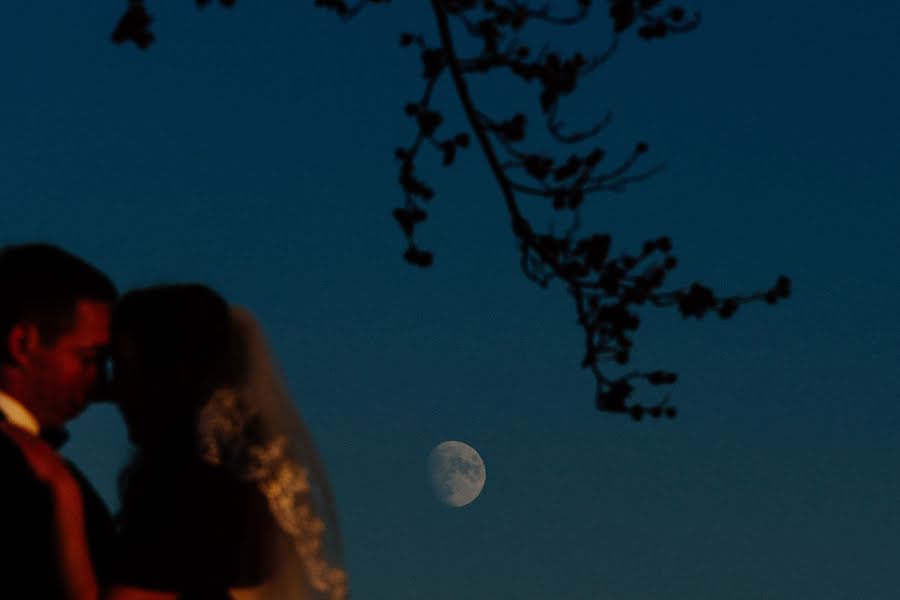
181 340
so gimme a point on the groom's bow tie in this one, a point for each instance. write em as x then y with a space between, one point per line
55 436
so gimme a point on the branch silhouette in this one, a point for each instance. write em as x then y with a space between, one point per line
607 291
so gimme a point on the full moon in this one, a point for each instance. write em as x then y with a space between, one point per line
457 473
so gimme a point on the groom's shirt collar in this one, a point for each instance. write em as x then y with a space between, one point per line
18 415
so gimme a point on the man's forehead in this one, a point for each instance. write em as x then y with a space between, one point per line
93 310
91 321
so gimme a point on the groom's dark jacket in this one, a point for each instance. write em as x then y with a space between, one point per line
29 568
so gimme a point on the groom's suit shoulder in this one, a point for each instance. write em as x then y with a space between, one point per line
18 479
26 535
27 546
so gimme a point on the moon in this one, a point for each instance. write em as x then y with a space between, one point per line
457 473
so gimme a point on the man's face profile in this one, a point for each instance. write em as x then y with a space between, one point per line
69 371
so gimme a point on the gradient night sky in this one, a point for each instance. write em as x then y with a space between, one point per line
251 149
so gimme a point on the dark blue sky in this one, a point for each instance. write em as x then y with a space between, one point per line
251 149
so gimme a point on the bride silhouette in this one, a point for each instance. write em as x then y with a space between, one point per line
225 496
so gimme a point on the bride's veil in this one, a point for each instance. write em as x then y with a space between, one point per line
253 429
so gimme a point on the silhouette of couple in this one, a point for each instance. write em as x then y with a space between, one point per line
224 496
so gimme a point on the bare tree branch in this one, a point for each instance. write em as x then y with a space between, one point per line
608 291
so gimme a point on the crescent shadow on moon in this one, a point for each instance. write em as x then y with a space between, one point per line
457 473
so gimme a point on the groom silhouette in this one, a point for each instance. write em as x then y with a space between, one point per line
54 333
